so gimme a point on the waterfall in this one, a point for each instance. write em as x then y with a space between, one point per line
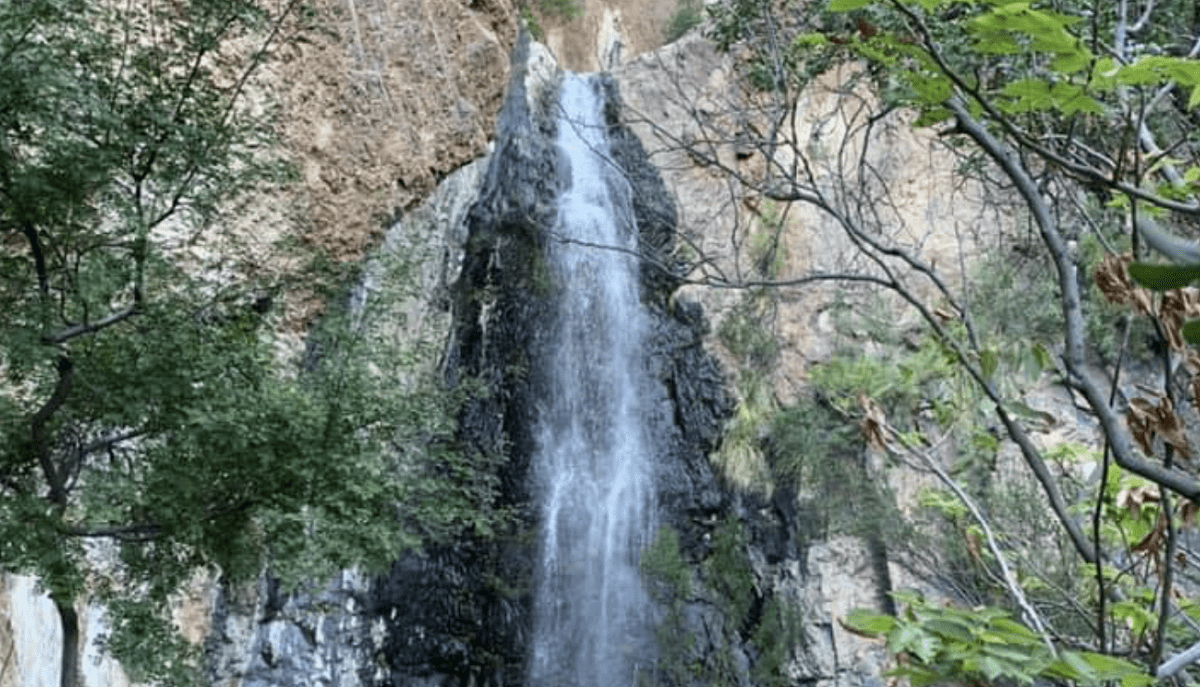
593 466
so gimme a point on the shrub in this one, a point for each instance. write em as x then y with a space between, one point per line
687 16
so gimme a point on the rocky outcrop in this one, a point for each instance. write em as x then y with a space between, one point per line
339 635
382 100
600 35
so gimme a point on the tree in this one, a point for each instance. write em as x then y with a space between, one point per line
145 406
1081 116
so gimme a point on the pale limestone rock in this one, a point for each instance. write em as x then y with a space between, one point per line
31 639
839 580
607 33
686 95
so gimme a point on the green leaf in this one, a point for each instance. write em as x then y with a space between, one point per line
845 5
1083 670
903 637
1043 357
810 40
1014 631
990 668
1071 61
950 629
925 647
1109 667
988 362
931 116
1164 277
1071 98
1138 679
869 623
931 88
1191 331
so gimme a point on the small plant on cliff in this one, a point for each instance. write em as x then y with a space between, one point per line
726 580
669 578
565 9
747 335
531 23
688 15
768 253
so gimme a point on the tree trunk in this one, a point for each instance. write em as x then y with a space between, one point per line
70 643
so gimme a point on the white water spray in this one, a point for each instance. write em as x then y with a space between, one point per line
593 469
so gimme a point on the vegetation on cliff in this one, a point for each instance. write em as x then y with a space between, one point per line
145 405
1075 123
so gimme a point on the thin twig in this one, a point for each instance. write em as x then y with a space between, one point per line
1010 581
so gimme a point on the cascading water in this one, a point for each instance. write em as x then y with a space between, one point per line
593 468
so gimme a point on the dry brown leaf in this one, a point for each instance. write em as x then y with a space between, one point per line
1170 426
1142 302
1132 498
945 315
1171 313
1187 513
873 422
1147 421
1112 278
1140 419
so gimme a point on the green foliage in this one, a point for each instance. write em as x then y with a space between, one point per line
1035 59
532 23
146 403
688 15
899 381
767 252
564 9
943 644
775 637
1014 295
808 436
533 12
746 334
670 584
138 623
817 452
1164 277
727 570
1059 100
726 580
663 564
